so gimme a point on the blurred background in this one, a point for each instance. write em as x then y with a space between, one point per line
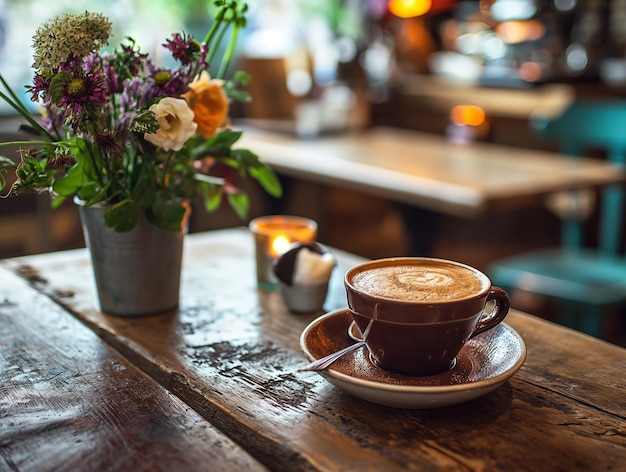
467 70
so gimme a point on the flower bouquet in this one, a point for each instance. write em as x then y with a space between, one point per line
119 131
132 142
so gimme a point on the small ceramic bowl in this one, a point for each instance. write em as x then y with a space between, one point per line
300 298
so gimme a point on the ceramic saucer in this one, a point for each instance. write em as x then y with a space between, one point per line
484 363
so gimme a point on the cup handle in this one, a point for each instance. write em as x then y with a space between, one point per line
497 314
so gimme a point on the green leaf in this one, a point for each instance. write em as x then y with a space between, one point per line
90 194
243 77
5 165
30 130
240 203
237 95
81 174
75 178
219 145
211 194
144 192
32 174
231 87
226 138
268 179
32 166
213 200
57 201
83 152
145 189
58 85
145 122
6 162
246 157
121 216
166 214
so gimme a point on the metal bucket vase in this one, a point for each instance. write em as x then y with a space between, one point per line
137 272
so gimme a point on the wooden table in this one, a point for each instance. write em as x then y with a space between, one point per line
426 170
214 386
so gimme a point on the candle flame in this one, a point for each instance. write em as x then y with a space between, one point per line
280 245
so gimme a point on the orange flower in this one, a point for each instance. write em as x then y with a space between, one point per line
209 103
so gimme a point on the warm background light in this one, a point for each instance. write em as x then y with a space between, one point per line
514 32
409 8
470 115
530 71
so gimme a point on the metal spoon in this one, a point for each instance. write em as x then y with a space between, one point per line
326 361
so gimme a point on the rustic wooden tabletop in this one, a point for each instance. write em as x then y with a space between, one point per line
214 385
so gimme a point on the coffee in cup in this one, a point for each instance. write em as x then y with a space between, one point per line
424 310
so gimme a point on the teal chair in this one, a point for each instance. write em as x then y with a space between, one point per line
586 276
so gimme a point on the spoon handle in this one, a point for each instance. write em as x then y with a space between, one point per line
326 361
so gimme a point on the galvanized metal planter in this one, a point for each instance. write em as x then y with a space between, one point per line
136 272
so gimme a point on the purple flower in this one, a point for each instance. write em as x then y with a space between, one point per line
162 82
111 77
177 85
182 48
204 51
129 102
96 64
83 89
91 63
131 59
40 87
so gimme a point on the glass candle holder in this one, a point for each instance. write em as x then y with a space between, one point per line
272 236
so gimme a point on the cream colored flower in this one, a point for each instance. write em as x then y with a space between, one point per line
176 124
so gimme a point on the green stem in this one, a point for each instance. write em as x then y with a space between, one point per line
16 102
13 100
219 17
217 43
230 51
24 143
18 107
166 171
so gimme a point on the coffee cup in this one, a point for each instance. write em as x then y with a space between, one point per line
424 310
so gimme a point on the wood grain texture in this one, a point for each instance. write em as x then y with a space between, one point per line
69 402
231 353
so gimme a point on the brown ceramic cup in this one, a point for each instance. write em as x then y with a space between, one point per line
424 310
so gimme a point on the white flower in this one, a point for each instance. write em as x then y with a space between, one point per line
176 124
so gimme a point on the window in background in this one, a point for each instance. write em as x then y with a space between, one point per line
148 22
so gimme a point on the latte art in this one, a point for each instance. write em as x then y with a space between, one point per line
415 278
419 283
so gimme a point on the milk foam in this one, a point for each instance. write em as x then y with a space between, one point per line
418 283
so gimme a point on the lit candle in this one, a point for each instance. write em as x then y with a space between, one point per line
273 235
279 245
